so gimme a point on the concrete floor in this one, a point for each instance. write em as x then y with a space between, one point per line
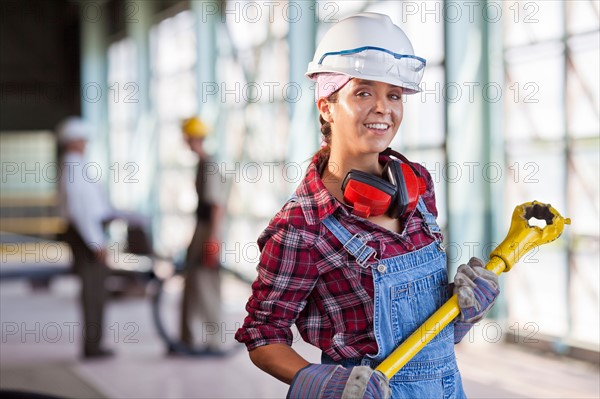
39 353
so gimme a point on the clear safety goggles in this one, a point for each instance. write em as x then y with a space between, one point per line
378 63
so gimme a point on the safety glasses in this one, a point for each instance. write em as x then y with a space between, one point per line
377 62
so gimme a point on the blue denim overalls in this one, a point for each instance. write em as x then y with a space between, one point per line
408 289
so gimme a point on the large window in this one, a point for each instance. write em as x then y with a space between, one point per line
552 150
253 93
173 56
30 175
122 100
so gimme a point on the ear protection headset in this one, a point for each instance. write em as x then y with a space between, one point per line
396 192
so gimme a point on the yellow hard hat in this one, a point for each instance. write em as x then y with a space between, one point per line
194 128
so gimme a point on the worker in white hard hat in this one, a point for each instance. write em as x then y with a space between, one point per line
85 206
201 307
355 259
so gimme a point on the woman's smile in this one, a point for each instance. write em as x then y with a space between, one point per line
378 128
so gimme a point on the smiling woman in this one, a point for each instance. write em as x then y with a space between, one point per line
355 258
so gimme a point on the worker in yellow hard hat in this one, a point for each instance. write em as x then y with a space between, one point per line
202 287
194 128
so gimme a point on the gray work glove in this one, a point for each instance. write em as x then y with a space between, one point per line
477 289
330 381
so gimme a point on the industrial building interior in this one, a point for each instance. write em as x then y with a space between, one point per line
509 113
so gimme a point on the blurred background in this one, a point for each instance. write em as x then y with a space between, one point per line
509 113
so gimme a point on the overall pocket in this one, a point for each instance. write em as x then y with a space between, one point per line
413 302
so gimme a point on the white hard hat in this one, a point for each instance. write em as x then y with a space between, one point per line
369 46
73 128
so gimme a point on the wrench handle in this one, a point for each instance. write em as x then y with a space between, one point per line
521 238
429 329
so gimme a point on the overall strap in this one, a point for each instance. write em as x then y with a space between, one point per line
353 244
428 218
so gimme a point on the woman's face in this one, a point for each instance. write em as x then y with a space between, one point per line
365 117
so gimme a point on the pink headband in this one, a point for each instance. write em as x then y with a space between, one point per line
329 83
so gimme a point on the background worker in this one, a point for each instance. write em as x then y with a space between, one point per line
85 206
357 278
202 283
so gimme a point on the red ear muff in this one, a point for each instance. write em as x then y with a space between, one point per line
415 186
409 187
369 195
397 193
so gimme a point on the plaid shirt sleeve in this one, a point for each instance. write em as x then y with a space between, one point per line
286 277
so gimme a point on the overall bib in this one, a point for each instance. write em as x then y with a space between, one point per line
408 289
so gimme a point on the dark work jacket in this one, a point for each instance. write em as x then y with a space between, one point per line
204 209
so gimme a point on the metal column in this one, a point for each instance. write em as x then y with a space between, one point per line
468 138
304 132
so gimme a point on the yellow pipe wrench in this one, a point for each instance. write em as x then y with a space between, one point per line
521 238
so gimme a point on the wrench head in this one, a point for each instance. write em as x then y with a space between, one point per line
523 236
537 210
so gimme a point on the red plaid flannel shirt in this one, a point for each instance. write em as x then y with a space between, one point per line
307 278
